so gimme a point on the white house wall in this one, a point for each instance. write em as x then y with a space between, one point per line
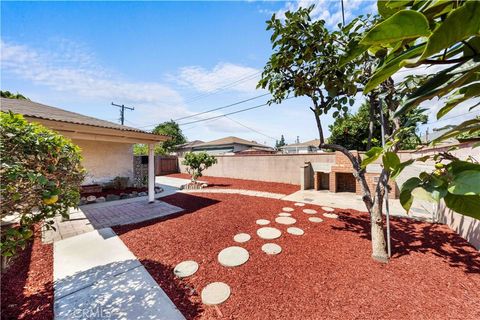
106 160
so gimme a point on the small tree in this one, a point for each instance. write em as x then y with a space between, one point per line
280 143
197 162
171 129
41 175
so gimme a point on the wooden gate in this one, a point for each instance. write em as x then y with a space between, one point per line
165 165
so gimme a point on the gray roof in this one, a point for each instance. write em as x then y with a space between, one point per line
231 141
311 143
37 110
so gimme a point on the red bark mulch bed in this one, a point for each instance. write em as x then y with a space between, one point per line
230 183
27 284
325 274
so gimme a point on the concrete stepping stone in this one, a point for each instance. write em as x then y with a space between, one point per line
271 248
285 220
330 215
269 233
299 204
284 214
315 219
328 209
309 211
262 222
185 268
295 231
287 209
215 293
233 256
241 237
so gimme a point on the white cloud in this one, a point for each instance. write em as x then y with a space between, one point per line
72 70
224 76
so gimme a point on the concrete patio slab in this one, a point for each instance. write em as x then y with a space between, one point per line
103 216
96 275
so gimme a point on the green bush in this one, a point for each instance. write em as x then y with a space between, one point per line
197 162
41 174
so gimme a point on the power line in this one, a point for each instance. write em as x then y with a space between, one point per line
220 108
122 111
222 88
230 113
252 129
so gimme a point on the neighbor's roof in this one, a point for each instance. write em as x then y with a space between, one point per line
311 143
230 140
189 144
37 110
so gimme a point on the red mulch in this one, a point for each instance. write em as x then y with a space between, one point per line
27 284
230 183
325 274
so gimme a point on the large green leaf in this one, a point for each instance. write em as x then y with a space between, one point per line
459 25
424 194
469 126
442 83
455 167
371 155
463 94
354 50
466 205
405 24
390 161
466 183
406 198
391 66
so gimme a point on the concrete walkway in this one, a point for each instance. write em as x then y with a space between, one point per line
239 191
420 210
97 277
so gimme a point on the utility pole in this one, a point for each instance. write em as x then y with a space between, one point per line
122 111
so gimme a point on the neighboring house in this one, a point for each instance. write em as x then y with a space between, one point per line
303 147
229 146
107 147
181 149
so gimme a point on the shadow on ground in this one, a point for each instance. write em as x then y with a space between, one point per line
409 236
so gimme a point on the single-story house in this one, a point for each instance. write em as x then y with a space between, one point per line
228 146
302 147
181 149
107 147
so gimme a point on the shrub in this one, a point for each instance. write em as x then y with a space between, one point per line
197 162
41 176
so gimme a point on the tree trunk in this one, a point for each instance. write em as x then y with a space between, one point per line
371 120
379 251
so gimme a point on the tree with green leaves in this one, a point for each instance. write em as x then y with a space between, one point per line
168 128
280 143
41 175
197 162
413 34
9 95
353 131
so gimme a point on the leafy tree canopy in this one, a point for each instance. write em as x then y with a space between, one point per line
280 143
41 174
171 129
9 95
352 132
197 162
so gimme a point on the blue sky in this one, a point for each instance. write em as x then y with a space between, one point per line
167 59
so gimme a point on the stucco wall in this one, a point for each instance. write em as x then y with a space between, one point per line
106 160
275 168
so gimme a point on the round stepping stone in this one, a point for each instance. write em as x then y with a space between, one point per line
271 248
215 293
315 219
330 215
241 237
262 222
233 256
287 209
295 231
185 268
299 204
284 214
327 209
309 211
269 233
285 220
